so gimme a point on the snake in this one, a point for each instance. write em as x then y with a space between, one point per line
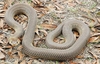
71 48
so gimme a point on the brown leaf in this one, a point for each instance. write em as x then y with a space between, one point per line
30 62
76 34
19 48
1 3
1 23
16 61
71 62
97 61
93 39
59 7
94 55
84 10
45 33
1 11
95 34
87 62
97 46
2 15
37 32
79 56
48 26
98 20
62 63
9 2
78 1
37 2
2 56
23 62
20 55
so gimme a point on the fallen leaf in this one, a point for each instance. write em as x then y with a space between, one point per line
95 34
37 32
16 61
20 55
2 56
78 1
84 9
79 56
1 11
1 3
72 62
98 20
87 62
62 63
97 46
20 47
48 26
93 39
45 32
30 61
9 2
2 15
23 62
97 61
94 55
1 23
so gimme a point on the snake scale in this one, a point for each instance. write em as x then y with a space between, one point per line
68 50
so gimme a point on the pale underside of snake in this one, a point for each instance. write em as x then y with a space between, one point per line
68 50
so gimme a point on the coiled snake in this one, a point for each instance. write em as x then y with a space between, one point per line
67 50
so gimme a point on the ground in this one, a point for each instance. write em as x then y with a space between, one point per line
50 14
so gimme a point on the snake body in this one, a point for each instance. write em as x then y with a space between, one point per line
68 50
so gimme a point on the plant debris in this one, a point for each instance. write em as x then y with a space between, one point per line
50 14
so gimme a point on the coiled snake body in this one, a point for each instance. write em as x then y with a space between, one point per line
67 50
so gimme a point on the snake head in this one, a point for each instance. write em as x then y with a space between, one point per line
13 41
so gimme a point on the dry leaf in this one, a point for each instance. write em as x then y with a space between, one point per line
93 39
97 46
1 3
48 26
71 62
45 32
72 4
20 48
94 55
78 1
1 23
62 63
14 42
37 32
87 62
20 55
16 61
97 61
23 62
98 20
76 34
79 56
59 7
2 56
84 10
9 2
2 15
95 34
30 61
1 11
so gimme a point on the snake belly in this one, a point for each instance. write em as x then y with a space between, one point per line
69 50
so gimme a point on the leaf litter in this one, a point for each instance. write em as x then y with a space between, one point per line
50 14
